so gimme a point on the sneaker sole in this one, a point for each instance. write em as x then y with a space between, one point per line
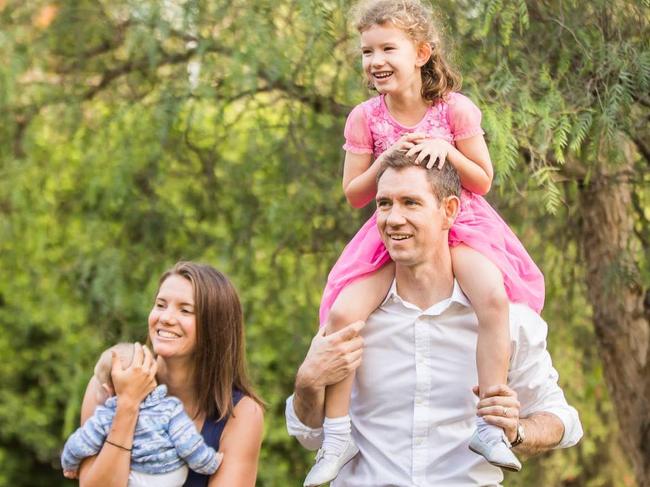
342 465
509 468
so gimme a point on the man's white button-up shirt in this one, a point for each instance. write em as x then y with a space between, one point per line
413 410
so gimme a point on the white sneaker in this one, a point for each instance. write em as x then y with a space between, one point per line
498 452
328 465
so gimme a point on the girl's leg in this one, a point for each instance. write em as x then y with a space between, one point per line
355 303
482 282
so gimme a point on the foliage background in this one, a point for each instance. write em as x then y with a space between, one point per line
137 133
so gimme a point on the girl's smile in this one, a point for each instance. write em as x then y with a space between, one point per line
391 60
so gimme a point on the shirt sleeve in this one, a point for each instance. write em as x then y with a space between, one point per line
534 378
310 438
85 442
358 138
464 117
190 445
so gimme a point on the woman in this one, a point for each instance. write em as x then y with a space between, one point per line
196 331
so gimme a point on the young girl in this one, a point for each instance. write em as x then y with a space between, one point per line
419 111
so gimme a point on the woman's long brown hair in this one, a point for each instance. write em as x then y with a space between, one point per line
220 353
416 20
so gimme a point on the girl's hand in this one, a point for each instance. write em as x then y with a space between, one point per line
435 149
135 382
406 142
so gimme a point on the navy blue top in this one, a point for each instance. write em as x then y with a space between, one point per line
211 432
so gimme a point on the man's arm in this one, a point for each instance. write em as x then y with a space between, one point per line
542 431
533 397
330 359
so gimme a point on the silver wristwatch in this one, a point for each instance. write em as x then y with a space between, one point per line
521 436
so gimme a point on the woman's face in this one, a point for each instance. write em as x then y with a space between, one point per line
172 320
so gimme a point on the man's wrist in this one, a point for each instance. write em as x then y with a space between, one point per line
520 435
306 382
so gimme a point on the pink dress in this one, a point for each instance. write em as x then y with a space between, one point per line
371 129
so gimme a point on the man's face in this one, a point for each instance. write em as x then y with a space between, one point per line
412 223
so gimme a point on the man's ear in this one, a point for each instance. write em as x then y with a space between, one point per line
423 54
451 205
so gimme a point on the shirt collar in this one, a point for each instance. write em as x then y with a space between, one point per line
457 296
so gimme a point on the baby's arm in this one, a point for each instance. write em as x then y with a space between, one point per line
83 443
190 445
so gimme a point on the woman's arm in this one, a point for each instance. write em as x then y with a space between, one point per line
240 444
110 468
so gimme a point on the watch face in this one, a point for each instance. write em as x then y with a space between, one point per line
520 435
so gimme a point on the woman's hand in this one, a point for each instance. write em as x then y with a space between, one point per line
435 149
135 382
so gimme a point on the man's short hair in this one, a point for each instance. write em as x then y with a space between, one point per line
445 182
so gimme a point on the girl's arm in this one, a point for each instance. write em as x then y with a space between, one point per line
240 444
360 176
470 158
110 468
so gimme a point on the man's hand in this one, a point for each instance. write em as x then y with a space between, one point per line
331 358
500 407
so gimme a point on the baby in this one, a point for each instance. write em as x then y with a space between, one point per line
165 441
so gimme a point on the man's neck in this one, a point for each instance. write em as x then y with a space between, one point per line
425 284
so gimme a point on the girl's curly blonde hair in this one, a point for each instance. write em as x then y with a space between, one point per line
416 20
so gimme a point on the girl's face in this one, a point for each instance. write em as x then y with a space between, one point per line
172 322
391 60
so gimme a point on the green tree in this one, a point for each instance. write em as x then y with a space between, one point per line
134 134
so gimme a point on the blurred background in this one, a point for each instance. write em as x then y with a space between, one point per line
134 133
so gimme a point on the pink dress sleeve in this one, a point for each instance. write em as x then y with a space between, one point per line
358 138
464 117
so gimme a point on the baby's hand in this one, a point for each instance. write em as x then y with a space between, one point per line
219 457
71 474
406 142
435 149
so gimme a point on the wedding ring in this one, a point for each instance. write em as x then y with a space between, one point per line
505 412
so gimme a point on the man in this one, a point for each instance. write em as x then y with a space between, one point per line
412 405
